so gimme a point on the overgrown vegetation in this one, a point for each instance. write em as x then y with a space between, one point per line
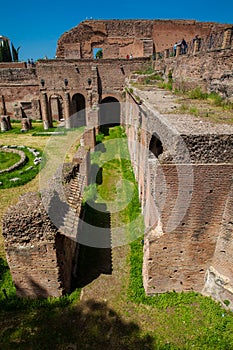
147 69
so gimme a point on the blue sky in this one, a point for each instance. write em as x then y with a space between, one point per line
36 26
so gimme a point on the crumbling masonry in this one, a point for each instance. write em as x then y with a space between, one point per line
183 167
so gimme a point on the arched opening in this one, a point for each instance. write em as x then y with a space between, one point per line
78 112
56 107
155 147
109 113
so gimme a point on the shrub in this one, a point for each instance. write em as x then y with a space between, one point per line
197 94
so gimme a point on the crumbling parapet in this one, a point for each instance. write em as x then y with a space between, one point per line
40 258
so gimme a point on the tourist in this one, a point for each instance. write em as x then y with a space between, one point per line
131 56
174 48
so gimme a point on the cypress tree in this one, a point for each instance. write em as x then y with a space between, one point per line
15 53
1 52
6 52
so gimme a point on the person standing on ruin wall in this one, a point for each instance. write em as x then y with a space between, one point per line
174 48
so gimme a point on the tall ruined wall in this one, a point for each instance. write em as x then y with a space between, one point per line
211 70
179 253
186 200
119 38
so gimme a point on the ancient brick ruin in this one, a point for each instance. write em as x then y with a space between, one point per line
183 168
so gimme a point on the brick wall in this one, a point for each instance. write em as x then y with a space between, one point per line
40 258
177 258
211 70
18 85
118 38
186 202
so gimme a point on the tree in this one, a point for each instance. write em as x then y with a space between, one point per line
5 52
99 54
15 53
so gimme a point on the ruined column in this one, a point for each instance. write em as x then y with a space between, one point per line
3 106
178 50
67 110
227 38
196 46
3 124
26 124
45 111
167 53
94 85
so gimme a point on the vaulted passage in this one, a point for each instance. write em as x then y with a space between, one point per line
110 112
155 146
78 113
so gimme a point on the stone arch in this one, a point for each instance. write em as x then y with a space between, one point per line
110 111
155 146
56 107
78 110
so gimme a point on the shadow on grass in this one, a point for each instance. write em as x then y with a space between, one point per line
93 261
89 325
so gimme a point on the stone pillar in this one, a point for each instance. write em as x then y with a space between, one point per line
167 53
93 118
5 123
94 85
196 46
67 110
227 38
45 111
3 106
178 50
26 124
89 99
89 138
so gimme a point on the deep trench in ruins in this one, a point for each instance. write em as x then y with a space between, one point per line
111 205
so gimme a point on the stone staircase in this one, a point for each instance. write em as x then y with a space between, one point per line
71 219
